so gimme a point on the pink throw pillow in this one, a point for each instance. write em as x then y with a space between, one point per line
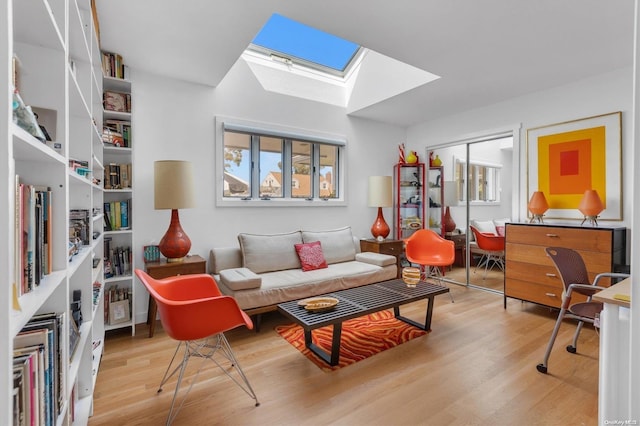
311 256
500 230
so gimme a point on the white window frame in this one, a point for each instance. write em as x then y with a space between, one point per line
264 129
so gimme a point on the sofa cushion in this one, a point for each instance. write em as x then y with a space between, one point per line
311 256
485 226
337 244
266 253
240 279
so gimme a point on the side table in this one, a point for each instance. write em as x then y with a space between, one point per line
391 247
190 265
460 242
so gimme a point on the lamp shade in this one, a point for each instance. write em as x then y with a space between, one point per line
591 205
538 203
380 191
173 185
173 189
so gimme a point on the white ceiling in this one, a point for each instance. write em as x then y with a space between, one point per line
485 51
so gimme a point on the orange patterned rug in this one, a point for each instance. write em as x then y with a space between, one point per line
361 338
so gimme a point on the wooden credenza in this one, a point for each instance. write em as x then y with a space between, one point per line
531 276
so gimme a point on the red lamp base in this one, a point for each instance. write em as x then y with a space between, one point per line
175 244
380 230
449 224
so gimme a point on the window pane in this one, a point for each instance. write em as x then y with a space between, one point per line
270 167
301 170
328 169
237 164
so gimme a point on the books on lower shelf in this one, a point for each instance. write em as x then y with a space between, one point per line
33 235
38 394
117 305
117 133
117 215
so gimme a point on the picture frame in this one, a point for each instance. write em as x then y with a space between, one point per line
151 253
119 312
565 159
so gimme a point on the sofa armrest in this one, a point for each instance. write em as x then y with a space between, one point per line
222 258
377 259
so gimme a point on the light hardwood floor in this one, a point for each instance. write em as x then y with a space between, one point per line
476 367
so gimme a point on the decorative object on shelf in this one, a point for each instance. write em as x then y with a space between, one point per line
565 159
401 159
537 206
412 158
591 206
411 276
174 189
151 253
437 162
380 195
430 158
450 199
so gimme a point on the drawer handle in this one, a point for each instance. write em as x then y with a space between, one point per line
550 294
552 235
549 274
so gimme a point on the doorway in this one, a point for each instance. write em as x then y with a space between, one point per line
479 184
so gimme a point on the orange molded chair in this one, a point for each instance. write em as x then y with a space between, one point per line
194 312
432 252
492 249
575 279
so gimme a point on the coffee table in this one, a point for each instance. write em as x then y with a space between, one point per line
357 302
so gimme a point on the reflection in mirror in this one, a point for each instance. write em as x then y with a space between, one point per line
486 181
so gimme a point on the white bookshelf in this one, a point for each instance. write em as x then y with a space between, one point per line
59 72
123 238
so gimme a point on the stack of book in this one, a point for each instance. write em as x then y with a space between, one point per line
116 215
38 392
113 65
117 176
33 235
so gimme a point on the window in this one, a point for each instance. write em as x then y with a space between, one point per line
279 166
288 41
483 180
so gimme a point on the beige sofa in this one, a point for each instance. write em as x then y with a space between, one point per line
265 270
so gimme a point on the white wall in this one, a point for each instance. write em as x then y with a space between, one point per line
175 120
603 94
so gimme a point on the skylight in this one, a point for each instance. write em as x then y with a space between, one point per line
289 41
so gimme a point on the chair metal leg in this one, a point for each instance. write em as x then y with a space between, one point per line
437 275
205 349
574 346
543 366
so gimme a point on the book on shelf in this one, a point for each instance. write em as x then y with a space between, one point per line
117 215
79 226
33 233
117 176
117 260
119 127
117 101
113 65
37 370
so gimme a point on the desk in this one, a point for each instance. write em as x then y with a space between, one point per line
391 247
615 323
163 269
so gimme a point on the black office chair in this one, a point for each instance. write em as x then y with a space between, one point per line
575 279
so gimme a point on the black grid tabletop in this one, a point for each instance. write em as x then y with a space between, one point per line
359 301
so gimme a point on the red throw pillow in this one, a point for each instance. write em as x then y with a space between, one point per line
311 256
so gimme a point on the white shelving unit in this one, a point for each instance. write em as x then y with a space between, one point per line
59 72
122 238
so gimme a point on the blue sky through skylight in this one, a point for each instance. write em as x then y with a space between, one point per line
293 39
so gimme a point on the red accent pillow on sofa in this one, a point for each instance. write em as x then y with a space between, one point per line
311 256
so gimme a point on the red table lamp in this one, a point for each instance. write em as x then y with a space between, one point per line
380 195
591 206
537 206
173 189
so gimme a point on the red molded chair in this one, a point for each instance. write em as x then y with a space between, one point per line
194 312
432 252
575 279
491 247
